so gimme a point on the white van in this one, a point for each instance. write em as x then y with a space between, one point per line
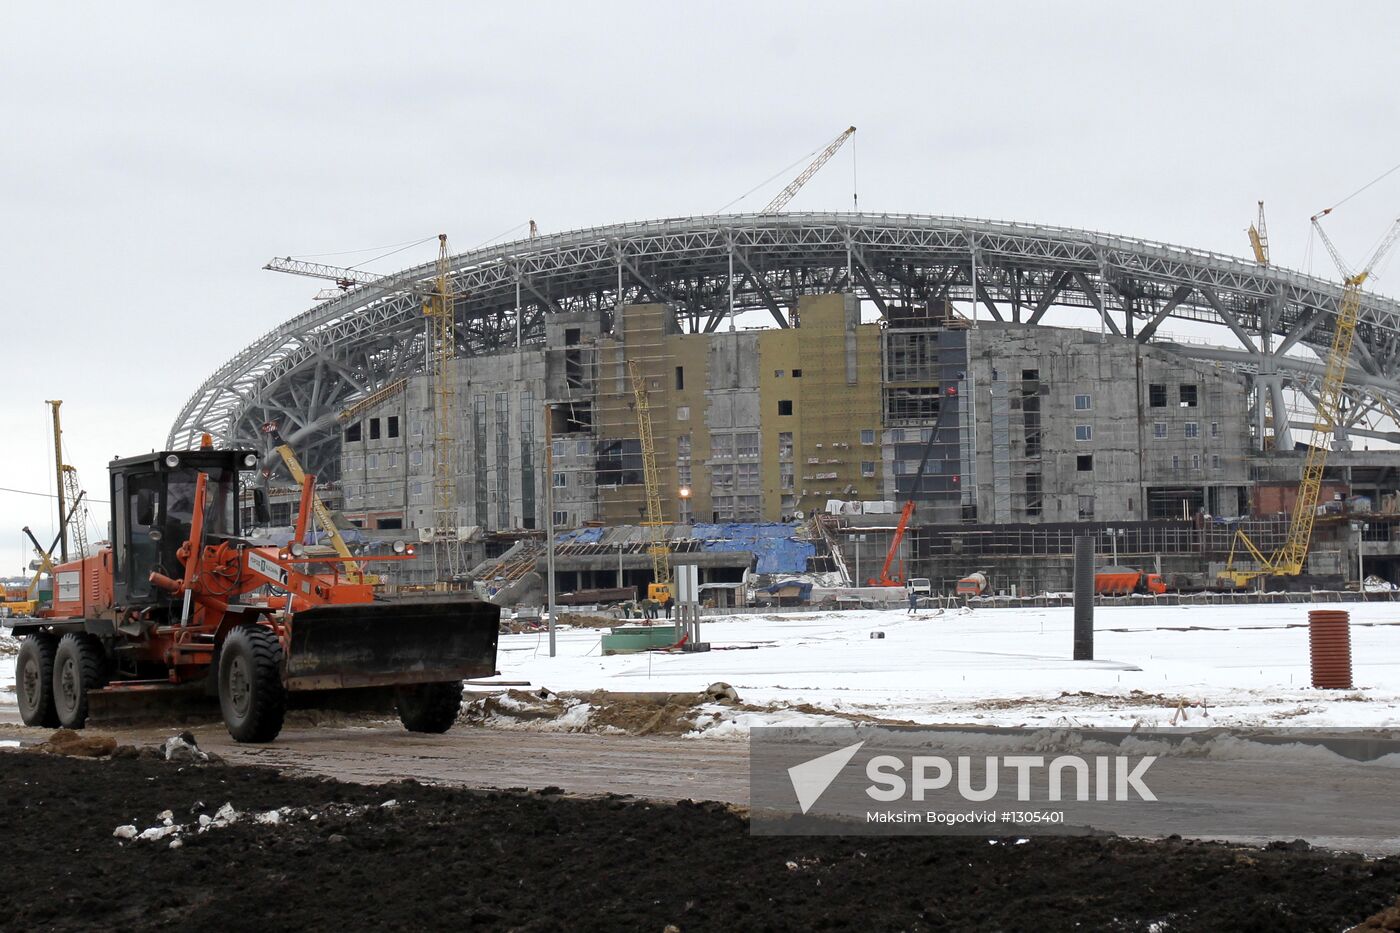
921 585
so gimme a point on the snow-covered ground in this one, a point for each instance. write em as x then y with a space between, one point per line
1247 665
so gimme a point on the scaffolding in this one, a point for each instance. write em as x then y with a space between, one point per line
656 524
826 392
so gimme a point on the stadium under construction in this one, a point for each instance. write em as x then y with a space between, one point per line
806 376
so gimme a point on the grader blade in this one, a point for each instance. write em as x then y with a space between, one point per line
392 643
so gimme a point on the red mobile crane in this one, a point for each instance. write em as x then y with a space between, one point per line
907 513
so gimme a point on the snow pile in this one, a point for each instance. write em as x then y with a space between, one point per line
1374 584
228 815
9 646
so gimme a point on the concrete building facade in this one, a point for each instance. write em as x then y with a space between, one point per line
1027 424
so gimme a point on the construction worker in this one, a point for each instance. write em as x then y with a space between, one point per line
913 602
667 603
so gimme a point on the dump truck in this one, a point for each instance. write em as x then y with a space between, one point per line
1122 581
182 603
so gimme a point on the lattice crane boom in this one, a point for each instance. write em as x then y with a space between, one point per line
1291 557
794 186
345 278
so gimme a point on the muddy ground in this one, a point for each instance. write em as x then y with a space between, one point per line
443 857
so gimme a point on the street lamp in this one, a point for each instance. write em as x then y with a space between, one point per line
1113 534
686 614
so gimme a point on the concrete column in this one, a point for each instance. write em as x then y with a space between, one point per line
1084 598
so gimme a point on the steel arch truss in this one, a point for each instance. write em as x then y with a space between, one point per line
305 371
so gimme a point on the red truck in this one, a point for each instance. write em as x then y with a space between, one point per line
1123 581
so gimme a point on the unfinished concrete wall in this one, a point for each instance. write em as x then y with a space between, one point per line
1104 443
374 455
733 425
1046 425
640 336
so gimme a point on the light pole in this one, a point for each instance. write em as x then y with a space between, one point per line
1360 528
619 565
686 615
549 519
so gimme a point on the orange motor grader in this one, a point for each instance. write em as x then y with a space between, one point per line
182 603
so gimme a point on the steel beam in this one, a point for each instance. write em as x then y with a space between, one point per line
371 334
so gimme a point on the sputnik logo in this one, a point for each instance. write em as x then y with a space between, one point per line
811 778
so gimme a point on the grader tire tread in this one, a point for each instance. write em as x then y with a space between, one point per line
431 708
89 668
40 649
260 653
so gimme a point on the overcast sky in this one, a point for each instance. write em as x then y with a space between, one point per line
154 156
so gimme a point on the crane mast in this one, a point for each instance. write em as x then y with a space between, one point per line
659 547
440 314
1259 238
59 487
77 512
442 351
794 186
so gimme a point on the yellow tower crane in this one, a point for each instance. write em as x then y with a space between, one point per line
442 350
1291 557
660 546
1259 238
440 311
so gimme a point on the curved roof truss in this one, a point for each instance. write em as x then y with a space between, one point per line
308 369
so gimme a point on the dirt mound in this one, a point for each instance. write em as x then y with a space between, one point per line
1387 919
601 711
644 713
588 620
181 749
1133 699
77 745
451 858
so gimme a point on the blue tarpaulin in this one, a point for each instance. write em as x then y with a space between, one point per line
804 590
774 544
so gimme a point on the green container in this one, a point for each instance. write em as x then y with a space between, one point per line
626 639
